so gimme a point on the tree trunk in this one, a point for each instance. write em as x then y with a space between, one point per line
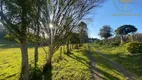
104 41
49 60
68 50
132 39
70 47
37 36
25 63
48 64
122 41
36 54
132 36
60 52
64 49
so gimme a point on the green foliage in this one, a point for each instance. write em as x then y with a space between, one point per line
105 31
125 29
74 38
134 47
83 32
114 44
10 37
100 42
31 38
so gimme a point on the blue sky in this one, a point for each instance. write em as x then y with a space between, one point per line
104 16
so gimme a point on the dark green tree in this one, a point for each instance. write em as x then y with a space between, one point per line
105 32
16 17
131 29
73 38
83 32
124 30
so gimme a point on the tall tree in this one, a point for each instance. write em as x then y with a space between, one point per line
63 15
83 32
16 17
37 27
105 32
124 30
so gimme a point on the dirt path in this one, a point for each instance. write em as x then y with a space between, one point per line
117 66
94 71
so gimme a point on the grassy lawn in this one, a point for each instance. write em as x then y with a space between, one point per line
120 55
70 68
73 67
10 59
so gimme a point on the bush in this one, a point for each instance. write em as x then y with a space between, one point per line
134 47
114 44
100 42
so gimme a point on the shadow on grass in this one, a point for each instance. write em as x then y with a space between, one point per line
79 59
47 75
130 62
37 74
97 73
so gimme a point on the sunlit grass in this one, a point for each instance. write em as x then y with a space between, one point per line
10 61
108 72
73 67
67 68
119 54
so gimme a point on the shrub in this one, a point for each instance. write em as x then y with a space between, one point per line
134 47
114 44
100 42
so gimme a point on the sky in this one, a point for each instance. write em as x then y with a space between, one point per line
104 15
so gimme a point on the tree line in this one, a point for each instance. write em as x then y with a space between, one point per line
122 32
52 20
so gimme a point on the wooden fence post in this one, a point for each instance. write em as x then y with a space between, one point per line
64 49
60 52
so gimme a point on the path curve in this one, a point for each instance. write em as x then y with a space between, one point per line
117 66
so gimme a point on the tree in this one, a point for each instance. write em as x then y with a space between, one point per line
124 30
36 27
16 16
105 32
132 29
68 42
64 16
73 38
83 32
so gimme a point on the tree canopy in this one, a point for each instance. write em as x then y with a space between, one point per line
125 29
105 31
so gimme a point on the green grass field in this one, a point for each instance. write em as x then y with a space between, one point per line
10 59
69 68
119 54
73 67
